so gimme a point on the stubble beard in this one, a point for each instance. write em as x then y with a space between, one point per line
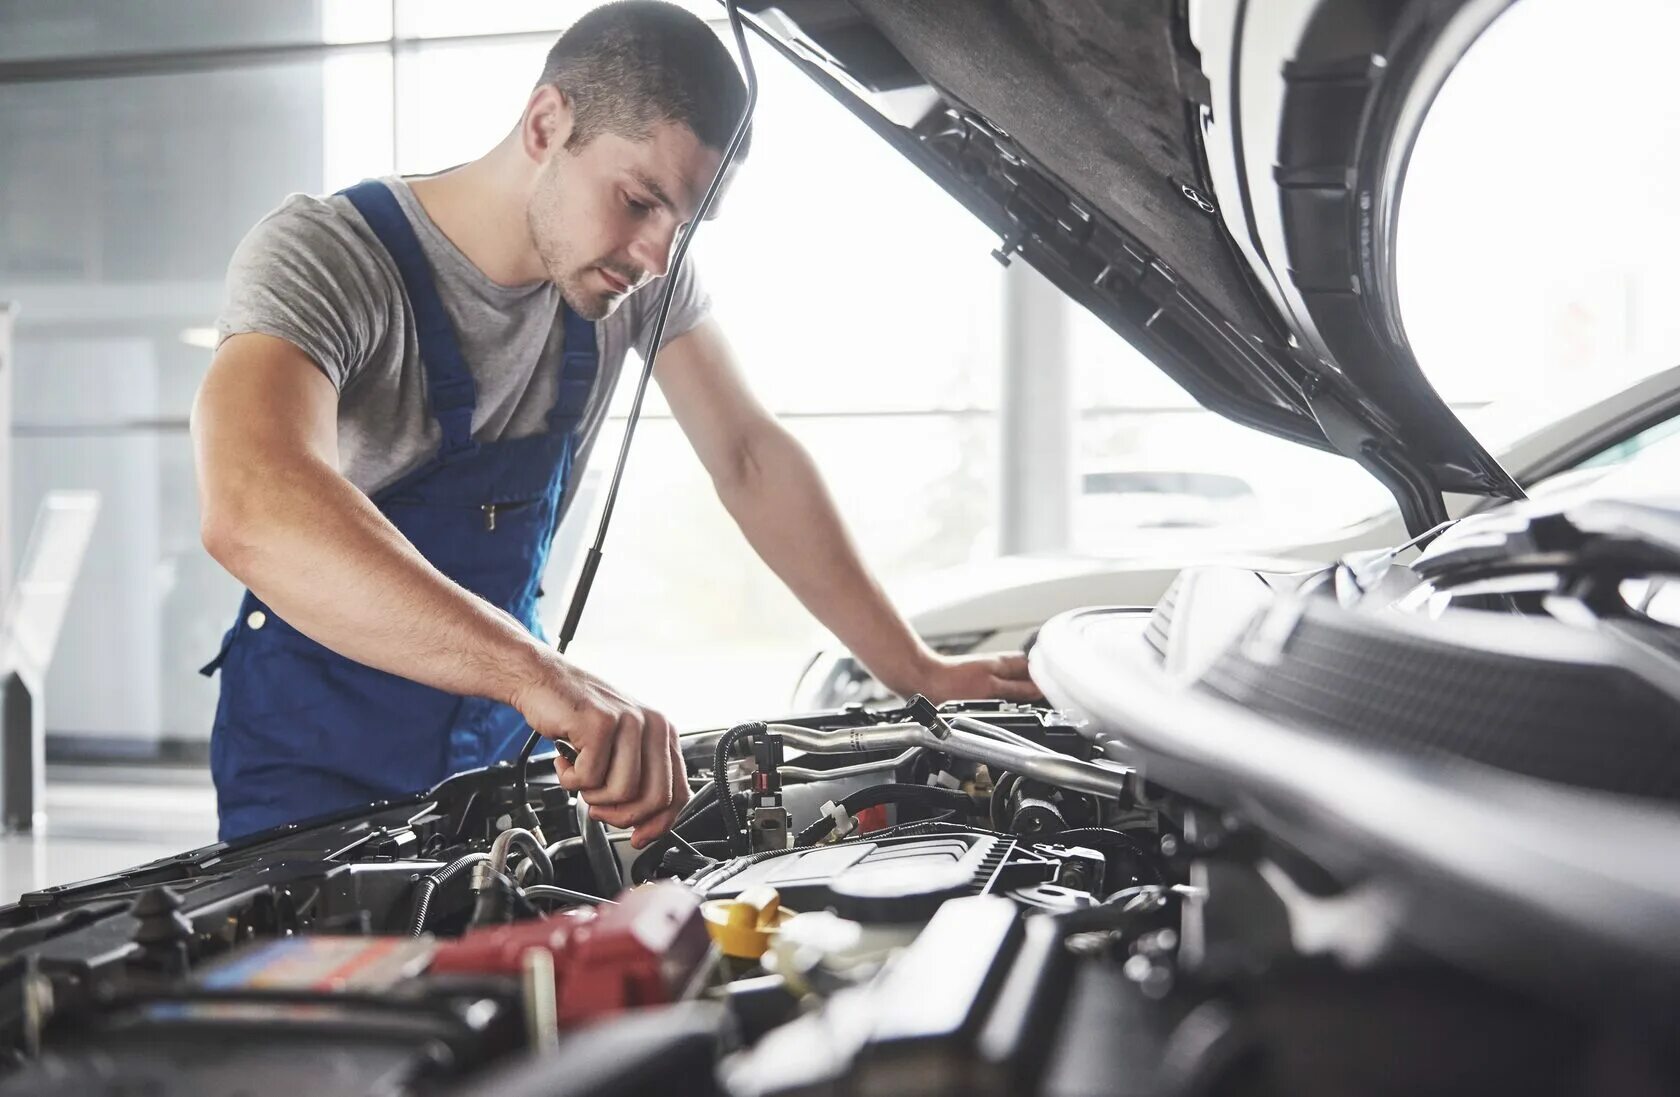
564 272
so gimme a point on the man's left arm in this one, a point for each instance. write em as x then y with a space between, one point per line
771 487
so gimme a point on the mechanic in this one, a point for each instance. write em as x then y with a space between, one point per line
409 377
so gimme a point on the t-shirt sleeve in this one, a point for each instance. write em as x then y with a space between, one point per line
302 275
690 304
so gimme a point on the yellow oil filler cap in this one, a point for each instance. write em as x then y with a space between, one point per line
743 926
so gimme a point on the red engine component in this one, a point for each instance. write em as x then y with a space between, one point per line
640 952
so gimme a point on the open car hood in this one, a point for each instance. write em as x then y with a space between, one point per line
1218 182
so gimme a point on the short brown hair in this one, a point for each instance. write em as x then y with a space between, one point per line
628 66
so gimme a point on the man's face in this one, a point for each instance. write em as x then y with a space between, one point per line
604 217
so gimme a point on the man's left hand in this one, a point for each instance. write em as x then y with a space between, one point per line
977 677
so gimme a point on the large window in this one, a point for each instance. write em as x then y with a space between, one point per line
859 296
1536 224
121 197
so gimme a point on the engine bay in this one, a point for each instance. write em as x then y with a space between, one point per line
414 946
1162 887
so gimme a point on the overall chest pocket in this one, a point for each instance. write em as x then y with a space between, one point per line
503 513
492 547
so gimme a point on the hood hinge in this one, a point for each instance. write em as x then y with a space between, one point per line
1410 481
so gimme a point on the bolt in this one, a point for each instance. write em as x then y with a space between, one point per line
1169 845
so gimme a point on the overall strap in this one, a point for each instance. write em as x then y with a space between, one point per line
579 363
449 383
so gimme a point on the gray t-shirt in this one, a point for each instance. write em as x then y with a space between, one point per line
313 273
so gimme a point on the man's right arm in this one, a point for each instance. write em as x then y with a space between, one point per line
278 514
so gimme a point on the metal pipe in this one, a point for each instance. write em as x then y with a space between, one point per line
803 773
1039 763
852 740
502 847
552 891
993 731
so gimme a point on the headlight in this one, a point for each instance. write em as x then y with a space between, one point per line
835 678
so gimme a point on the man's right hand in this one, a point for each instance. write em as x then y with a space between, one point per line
629 766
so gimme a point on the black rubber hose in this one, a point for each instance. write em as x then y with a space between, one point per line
598 850
688 861
732 820
500 901
652 858
700 802
705 814
920 795
704 803
430 883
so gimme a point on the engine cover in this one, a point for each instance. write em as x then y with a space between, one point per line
906 878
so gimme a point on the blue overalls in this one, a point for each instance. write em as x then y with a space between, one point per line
300 730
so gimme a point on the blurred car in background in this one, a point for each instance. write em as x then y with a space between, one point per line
998 605
1132 498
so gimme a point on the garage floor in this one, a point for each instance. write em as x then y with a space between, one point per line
102 819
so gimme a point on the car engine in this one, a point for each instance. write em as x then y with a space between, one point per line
1160 886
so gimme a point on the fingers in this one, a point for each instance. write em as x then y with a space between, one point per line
624 776
1011 666
998 677
653 797
656 801
595 753
661 821
1010 680
564 770
655 793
